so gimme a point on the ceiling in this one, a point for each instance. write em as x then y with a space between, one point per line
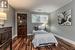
38 5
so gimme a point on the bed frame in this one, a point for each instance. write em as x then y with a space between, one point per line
49 45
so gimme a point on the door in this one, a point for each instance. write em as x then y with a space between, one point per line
22 24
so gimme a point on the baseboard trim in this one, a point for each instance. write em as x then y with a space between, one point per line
14 36
67 40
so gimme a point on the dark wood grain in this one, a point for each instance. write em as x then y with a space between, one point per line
23 44
5 38
22 25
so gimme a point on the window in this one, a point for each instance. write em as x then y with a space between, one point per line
39 18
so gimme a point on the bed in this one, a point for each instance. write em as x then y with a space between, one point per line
42 38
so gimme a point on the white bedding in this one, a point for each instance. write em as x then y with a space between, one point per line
43 38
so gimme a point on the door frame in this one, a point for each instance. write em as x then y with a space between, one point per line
16 33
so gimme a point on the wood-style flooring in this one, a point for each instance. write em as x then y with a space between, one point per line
23 44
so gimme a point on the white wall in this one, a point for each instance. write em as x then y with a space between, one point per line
64 31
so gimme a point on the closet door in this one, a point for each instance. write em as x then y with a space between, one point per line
22 24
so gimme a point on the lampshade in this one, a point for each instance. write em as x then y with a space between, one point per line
3 16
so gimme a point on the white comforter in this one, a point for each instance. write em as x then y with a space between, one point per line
43 38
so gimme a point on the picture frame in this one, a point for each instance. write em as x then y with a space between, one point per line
65 18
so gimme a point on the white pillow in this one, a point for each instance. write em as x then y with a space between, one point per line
41 27
40 32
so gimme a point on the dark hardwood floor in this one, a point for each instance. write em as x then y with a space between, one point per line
23 44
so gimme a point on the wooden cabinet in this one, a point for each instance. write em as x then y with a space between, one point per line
22 25
5 38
